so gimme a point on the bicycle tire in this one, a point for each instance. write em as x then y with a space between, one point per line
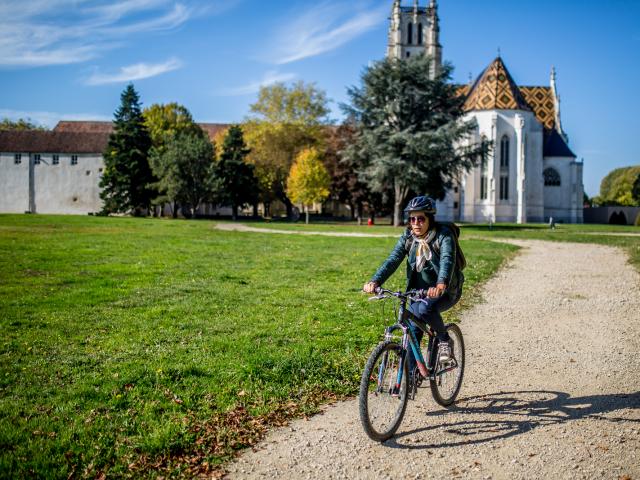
445 387
383 404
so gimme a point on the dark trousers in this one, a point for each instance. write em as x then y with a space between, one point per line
429 311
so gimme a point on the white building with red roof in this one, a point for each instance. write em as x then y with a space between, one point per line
57 171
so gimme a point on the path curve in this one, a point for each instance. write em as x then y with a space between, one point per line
552 387
240 227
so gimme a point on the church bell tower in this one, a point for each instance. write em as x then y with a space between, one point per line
414 30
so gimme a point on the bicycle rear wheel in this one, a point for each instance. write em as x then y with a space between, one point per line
383 400
448 377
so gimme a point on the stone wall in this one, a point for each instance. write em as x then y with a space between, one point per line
611 215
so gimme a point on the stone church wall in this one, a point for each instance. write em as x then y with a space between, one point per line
564 202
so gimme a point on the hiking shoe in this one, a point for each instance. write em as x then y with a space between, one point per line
445 354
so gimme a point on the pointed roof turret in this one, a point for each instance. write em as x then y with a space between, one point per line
556 100
494 89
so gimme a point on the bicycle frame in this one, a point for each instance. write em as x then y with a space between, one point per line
406 322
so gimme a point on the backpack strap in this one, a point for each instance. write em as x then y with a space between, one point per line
461 261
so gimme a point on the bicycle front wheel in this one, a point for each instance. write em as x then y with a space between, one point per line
447 381
384 391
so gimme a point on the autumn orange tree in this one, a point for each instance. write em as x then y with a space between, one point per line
308 180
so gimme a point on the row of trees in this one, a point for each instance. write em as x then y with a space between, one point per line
19 125
160 155
403 135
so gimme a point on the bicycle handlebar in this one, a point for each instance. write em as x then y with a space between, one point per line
381 293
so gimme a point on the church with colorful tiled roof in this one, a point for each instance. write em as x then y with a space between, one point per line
531 173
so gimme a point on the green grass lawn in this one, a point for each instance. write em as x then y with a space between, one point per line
139 347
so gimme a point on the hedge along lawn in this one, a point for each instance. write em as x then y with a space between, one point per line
138 347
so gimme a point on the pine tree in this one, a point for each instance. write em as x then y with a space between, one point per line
127 178
238 184
410 132
308 181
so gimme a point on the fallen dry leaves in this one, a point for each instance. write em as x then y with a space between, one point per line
223 435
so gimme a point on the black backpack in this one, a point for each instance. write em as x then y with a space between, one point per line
461 262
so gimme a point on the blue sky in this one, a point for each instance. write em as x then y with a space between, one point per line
70 59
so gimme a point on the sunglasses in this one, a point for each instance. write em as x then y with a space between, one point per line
418 220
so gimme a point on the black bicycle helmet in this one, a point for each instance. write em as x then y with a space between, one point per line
423 204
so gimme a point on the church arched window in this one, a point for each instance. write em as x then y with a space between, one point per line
419 34
483 170
410 33
551 177
504 152
504 168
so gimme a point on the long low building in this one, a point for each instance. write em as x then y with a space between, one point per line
57 171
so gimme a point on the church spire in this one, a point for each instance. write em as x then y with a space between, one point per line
556 100
395 13
433 42
394 46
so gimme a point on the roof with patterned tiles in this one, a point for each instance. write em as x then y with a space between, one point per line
543 104
494 89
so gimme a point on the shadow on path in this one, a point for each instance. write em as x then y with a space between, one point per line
507 414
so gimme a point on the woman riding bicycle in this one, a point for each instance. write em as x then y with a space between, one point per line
431 259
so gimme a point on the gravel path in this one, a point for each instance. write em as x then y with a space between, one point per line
551 390
239 227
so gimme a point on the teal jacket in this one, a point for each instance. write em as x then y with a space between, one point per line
440 269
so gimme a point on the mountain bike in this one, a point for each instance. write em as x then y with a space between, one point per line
386 383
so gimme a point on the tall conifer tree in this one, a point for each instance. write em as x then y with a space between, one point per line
238 184
410 132
127 178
